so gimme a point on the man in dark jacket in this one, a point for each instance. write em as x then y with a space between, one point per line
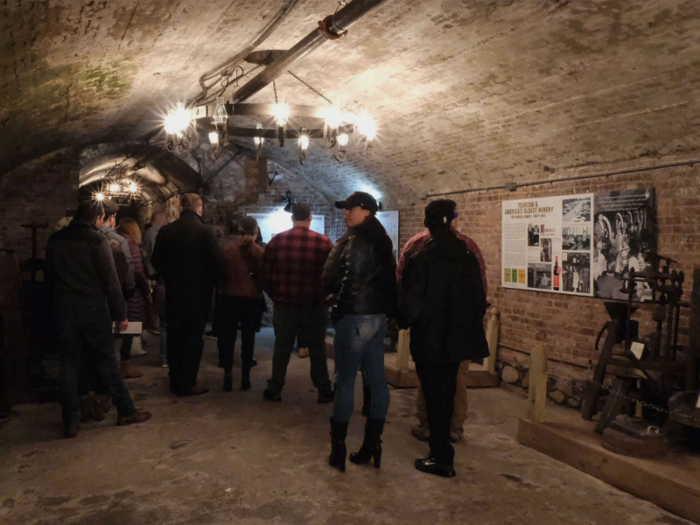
359 278
442 300
187 255
87 296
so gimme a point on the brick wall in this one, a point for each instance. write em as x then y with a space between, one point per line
244 188
571 323
40 190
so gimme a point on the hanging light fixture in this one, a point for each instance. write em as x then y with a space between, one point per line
329 122
303 146
365 133
341 155
289 200
280 111
333 119
181 133
259 141
219 137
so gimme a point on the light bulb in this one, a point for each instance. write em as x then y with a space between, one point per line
343 140
133 187
366 126
258 140
114 188
99 196
177 120
333 117
213 138
281 113
220 113
304 142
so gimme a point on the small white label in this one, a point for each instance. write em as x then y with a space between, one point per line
637 349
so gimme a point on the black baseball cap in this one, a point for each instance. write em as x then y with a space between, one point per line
361 199
441 211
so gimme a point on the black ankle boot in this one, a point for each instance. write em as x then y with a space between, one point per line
372 446
228 383
245 379
338 451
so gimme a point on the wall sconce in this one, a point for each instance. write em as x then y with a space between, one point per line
289 200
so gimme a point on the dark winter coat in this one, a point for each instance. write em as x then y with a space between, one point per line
360 273
188 256
81 269
136 304
442 301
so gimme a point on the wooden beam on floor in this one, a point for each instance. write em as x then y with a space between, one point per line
672 483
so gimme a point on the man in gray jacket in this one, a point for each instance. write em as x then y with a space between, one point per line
107 229
87 297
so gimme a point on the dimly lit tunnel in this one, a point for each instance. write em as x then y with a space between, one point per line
363 261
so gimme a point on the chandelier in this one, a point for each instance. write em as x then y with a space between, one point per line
263 124
117 184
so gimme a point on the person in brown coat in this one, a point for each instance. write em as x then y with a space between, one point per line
136 302
241 300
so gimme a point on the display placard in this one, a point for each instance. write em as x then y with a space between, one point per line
546 244
578 244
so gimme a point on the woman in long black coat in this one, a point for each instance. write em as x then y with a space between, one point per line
442 301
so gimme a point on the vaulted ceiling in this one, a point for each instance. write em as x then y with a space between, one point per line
467 93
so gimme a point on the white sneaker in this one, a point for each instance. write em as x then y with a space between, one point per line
136 348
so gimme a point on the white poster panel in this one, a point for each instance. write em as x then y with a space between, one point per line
271 224
390 221
546 244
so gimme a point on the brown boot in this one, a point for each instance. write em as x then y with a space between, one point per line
136 417
128 372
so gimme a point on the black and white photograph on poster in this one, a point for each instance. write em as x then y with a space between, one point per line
539 276
576 273
576 210
533 234
623 238
576 238
545 250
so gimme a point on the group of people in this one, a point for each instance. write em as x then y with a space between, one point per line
438 290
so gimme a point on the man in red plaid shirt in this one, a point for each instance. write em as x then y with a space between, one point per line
414 245
291 273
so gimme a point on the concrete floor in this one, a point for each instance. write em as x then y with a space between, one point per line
233 457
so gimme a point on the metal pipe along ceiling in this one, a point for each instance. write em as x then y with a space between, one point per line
341 22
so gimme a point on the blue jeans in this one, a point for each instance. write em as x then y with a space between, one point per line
359 341
88 329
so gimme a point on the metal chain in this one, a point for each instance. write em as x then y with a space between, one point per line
651 406
310 87
274 86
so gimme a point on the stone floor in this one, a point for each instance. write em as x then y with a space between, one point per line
235 458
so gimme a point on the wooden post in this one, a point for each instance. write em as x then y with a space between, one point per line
537 394
403 350
492 328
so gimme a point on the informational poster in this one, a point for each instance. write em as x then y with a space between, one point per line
578 244
271 224
623 239
546 244
390 221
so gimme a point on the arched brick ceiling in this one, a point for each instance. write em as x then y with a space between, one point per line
467 93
